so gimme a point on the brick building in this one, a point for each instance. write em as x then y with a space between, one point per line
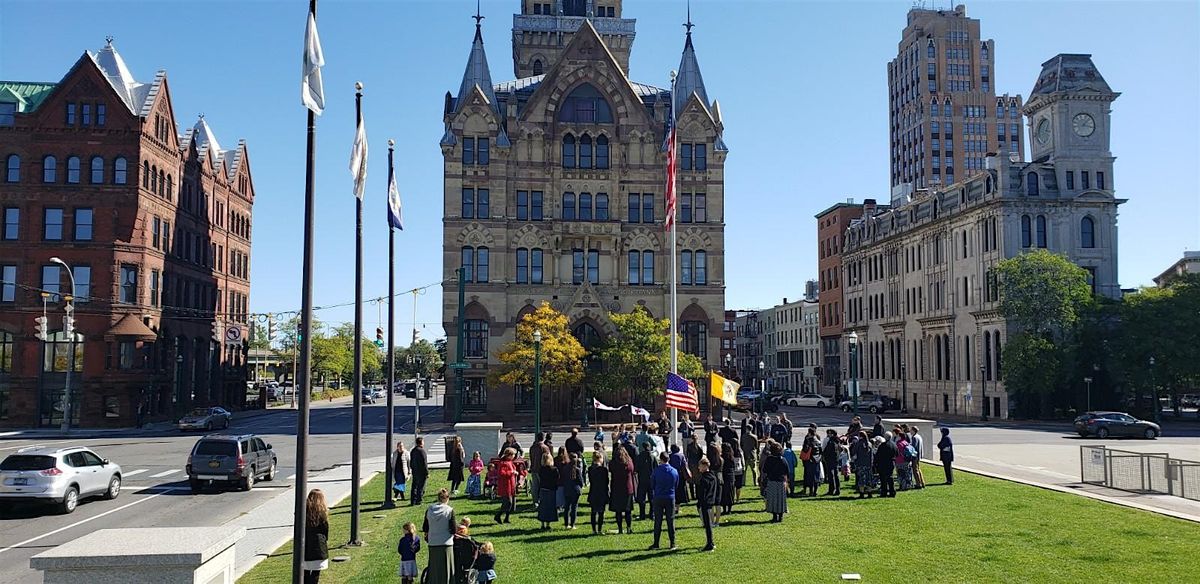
155 226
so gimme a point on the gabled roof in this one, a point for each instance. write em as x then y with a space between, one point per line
477 74
1070 72
689 79
207 146
132 92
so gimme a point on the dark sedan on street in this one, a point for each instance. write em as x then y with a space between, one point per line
1105 424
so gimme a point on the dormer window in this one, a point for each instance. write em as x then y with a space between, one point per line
475 151
538 67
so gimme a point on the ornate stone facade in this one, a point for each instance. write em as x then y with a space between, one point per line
919 290
554 191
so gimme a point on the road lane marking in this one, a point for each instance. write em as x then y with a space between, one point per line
135 472
290 477
164 474
81 522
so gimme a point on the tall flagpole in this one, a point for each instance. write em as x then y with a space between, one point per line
674 277
356 441
390 472
303 386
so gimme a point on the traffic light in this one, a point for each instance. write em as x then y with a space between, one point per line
216 331
69 325
42 331
270 328
379 337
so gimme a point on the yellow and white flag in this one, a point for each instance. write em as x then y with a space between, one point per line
724 389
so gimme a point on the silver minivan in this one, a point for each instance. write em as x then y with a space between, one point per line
61 476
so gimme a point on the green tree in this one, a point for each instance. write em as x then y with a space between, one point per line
635 362
330 358
1163 323
1043 295
562 355
440 345
427 364
372 358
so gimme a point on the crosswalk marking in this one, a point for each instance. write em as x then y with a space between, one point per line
164 473
135 472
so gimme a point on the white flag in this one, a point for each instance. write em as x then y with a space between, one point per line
358 158
395 215
312 94
600 406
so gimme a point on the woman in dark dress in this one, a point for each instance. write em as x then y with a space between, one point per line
645 467
547 490
621 489
598 495
728 480
457 462
774 482
570 481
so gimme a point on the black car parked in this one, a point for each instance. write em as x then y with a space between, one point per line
1105 424
239 460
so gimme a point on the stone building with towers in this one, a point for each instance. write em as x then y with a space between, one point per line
919 288
554 192
153 222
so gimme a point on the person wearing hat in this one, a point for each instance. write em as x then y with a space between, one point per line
885 463
946 448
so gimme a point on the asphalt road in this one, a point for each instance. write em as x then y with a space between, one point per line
155 491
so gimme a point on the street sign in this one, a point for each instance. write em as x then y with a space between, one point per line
233 335
459 366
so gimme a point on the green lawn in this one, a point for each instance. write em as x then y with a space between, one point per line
978 530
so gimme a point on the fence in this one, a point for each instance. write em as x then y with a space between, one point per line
1139 472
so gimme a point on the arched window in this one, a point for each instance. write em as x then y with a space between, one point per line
700 268
468 264
1041 231
170 188
154 179
602 152
97 170
585 206
145 174
585 105
1026 232
49 169
73 170
685 267
537 67
481 264
6 351
568 151
1087 232
1031 184
13 168
585 151
535 266
162 182
601 207
568 206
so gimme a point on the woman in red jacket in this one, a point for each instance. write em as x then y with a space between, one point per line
506 485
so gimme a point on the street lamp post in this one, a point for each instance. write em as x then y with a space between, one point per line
1088 382
537 381
904 387
1154 388
762 380
853 370
69 330
983 402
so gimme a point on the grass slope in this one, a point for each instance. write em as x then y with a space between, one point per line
978 530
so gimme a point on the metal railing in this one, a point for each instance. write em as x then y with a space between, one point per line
1139 472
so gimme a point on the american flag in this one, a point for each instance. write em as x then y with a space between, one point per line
670 190
681 394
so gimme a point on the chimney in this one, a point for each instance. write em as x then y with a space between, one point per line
785 299
868 207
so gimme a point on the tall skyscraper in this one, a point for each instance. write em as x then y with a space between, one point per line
944 114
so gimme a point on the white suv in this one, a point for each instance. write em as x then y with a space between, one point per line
61 476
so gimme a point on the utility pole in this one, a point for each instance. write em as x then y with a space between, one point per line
459 361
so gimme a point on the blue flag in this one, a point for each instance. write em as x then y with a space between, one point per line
395 216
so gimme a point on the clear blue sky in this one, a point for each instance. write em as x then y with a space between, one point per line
802 86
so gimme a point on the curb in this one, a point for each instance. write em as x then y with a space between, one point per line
18 433
1096 496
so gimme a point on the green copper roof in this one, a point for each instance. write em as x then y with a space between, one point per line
28 95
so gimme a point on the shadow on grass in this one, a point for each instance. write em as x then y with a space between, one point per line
595 554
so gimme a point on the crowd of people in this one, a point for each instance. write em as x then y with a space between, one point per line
709 471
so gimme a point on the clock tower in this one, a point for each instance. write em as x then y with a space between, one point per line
1069 115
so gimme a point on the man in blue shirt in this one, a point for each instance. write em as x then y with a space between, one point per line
662 483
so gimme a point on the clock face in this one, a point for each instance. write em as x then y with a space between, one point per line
1083 125
1043 131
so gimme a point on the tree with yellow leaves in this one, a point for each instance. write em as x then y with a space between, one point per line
562 355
